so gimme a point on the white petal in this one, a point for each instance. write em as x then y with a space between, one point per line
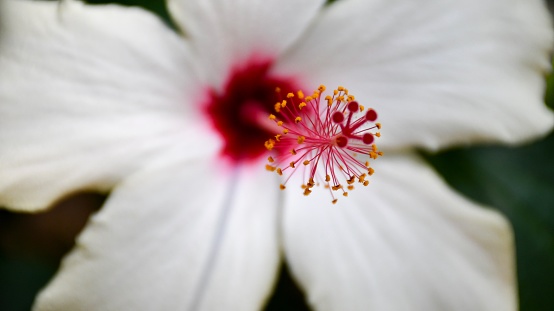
406 242
226 33
87 94
439 72
178 237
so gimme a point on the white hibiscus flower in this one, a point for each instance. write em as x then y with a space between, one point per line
109 98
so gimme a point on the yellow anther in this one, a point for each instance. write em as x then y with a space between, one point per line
373 155
301 139
378 125
321 88
307 191
300 94
298 119
378 134
277 89
337 187
269 144
340 98
301 105
335 92
362 178
351 180
330 102
340 88
293 152
327 178
345 194
346 91
350 187
306 162
278 137
272 117
290 95
282 187
366 183
308 98
362 108
270 168
366 163
328 98
334 201
350 98
279 123
279 171
277 107
270 159
285 131
370 171
380 153
291 164
283 103
303 186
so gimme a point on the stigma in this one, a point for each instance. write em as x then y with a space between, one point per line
330 138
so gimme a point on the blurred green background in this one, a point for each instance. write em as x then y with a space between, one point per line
518 181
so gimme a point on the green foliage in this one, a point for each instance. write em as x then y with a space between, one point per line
20 280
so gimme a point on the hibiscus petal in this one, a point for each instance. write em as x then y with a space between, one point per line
406 242
226 33
184 236
87 94
438 72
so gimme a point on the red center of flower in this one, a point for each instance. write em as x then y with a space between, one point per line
330 137
239 112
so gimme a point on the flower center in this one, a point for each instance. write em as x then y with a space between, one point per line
239 113
332 138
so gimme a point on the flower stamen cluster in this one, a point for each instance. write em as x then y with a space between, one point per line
330 138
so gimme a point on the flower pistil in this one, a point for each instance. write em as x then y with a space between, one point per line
334 133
